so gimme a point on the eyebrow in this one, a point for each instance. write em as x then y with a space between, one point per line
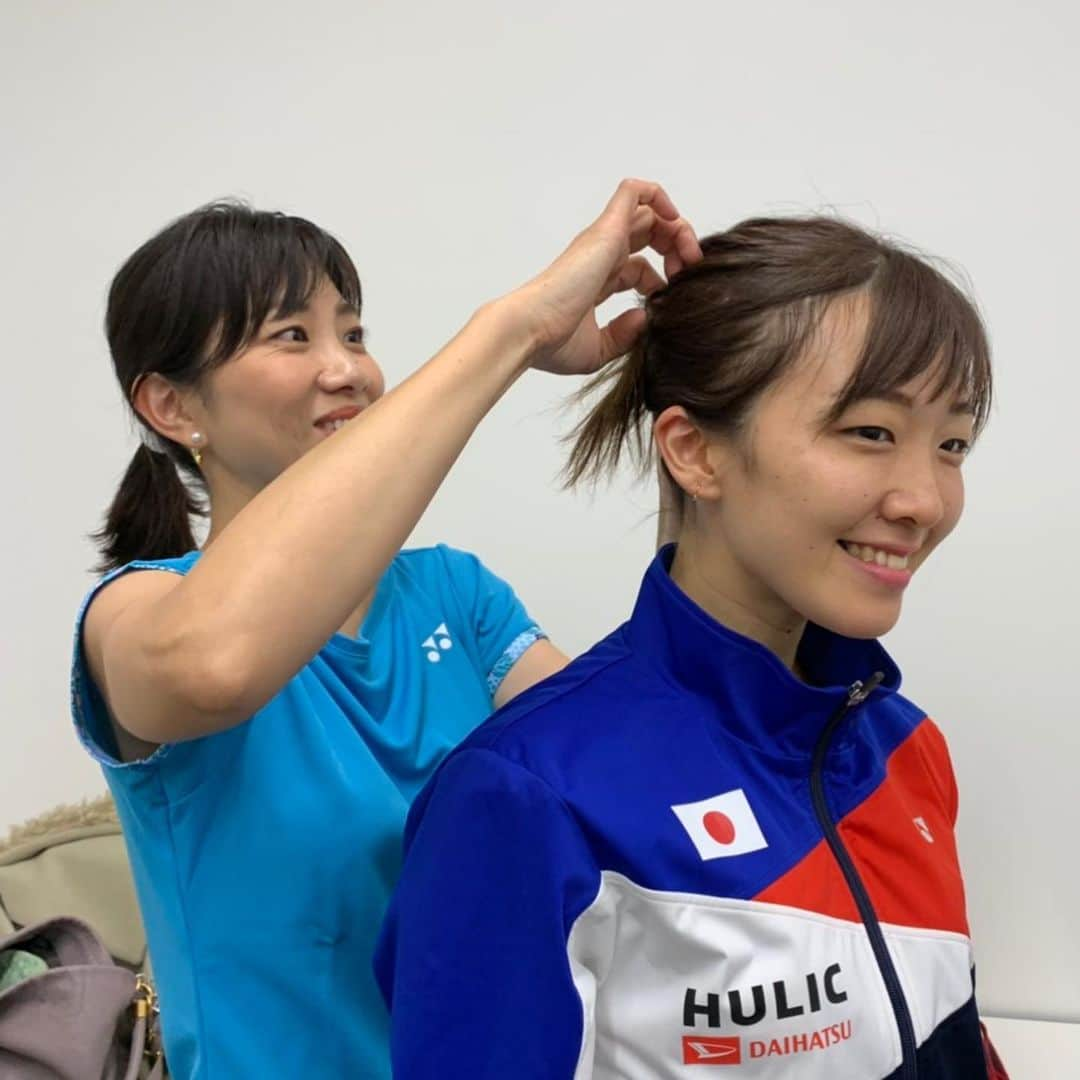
898 397
343 308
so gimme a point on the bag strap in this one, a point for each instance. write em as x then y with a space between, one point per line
144 1036
139 1053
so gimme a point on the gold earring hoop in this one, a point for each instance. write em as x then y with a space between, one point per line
196 453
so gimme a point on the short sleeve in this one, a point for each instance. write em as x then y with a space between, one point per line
88 709
502 628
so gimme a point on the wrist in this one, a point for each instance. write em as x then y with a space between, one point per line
510 322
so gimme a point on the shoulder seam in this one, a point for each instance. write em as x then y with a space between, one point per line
575 685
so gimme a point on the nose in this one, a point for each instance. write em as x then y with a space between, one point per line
341 368
917 494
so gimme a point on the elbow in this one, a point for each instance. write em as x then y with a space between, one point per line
216 685
201 693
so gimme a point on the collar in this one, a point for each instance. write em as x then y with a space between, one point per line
761 701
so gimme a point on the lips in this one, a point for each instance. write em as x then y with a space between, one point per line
338 418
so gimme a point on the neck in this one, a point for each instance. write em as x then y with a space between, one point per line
227 499
705 569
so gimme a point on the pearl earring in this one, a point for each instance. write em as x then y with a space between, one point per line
196 453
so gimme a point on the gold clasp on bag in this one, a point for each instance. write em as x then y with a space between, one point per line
145 1004
145 998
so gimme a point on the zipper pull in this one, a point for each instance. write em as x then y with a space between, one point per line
860 691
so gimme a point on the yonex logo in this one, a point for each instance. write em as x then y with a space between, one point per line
699 1051
440 639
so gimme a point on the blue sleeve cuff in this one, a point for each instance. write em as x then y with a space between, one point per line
88 708
511 655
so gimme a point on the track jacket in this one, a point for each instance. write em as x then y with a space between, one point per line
675 856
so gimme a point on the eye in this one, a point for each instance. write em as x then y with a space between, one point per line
871 434
355 336
960 447
291 333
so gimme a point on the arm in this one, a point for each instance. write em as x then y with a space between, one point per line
177 659
536 664
479 982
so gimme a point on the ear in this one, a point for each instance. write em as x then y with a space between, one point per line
695 459
171 411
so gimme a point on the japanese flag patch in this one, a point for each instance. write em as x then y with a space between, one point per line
722 826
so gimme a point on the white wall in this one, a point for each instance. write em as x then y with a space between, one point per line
455 148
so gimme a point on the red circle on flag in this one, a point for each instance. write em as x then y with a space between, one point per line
719 826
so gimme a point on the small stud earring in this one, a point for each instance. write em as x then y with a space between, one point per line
196 453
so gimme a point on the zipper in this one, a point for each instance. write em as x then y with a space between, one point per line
856 695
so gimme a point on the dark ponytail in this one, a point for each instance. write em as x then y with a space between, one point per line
183 304
150 516
617 419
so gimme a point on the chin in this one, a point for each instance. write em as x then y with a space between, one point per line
862 623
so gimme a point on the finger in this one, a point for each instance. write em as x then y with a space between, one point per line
638 274
619 335
653 195
666 234
633 193
675 240
687 244
642 226
672 264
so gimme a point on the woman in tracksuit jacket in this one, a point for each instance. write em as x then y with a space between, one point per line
722 837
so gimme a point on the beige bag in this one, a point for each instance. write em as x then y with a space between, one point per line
71 863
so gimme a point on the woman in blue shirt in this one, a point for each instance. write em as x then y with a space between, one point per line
266 708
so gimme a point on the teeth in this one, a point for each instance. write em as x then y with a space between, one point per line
875 555
332 425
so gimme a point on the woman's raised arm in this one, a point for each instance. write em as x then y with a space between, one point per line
177 658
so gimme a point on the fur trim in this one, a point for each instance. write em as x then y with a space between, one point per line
97 811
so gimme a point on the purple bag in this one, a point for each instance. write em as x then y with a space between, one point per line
85 1018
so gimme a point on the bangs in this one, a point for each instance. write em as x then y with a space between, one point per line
920 324
262 265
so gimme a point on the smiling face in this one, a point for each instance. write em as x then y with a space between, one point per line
299 379
824 518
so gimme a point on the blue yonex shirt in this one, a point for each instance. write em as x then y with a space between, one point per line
264 855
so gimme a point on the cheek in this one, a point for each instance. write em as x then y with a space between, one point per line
784 519
262 411
827 499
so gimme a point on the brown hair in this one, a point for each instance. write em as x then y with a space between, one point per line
726 328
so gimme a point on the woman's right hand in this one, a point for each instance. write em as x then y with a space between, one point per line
558 307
